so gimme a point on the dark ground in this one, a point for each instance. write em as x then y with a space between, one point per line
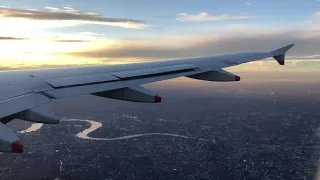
248 135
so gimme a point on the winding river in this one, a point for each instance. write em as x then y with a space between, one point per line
96 125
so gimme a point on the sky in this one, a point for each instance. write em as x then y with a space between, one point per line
53 33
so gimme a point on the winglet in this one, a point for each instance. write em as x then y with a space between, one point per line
279 54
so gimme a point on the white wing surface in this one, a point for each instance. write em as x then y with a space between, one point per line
23 92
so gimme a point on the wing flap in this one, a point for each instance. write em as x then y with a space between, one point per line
21 103
143 73
101 78
94 88
81 80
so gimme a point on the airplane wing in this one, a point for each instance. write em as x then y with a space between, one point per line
23 92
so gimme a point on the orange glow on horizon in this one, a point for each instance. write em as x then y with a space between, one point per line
45 52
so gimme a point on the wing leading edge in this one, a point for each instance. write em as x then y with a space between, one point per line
34 88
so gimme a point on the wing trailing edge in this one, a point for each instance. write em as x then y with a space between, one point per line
21 103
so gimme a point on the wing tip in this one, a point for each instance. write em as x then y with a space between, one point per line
289 46
282 50
279 54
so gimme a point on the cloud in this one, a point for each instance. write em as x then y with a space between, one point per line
199 41
51 8
216 40
71 40
91 34
12 38
315 18
226 40
247 3
58 37
73 37
208 17
310 57
69 8
42 66
68 17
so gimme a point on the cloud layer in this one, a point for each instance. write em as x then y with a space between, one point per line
207 17
222 39
11 38
232 42
183 43
71 40
69 15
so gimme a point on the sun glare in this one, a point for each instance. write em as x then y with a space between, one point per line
42 51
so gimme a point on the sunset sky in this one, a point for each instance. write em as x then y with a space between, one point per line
54 32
